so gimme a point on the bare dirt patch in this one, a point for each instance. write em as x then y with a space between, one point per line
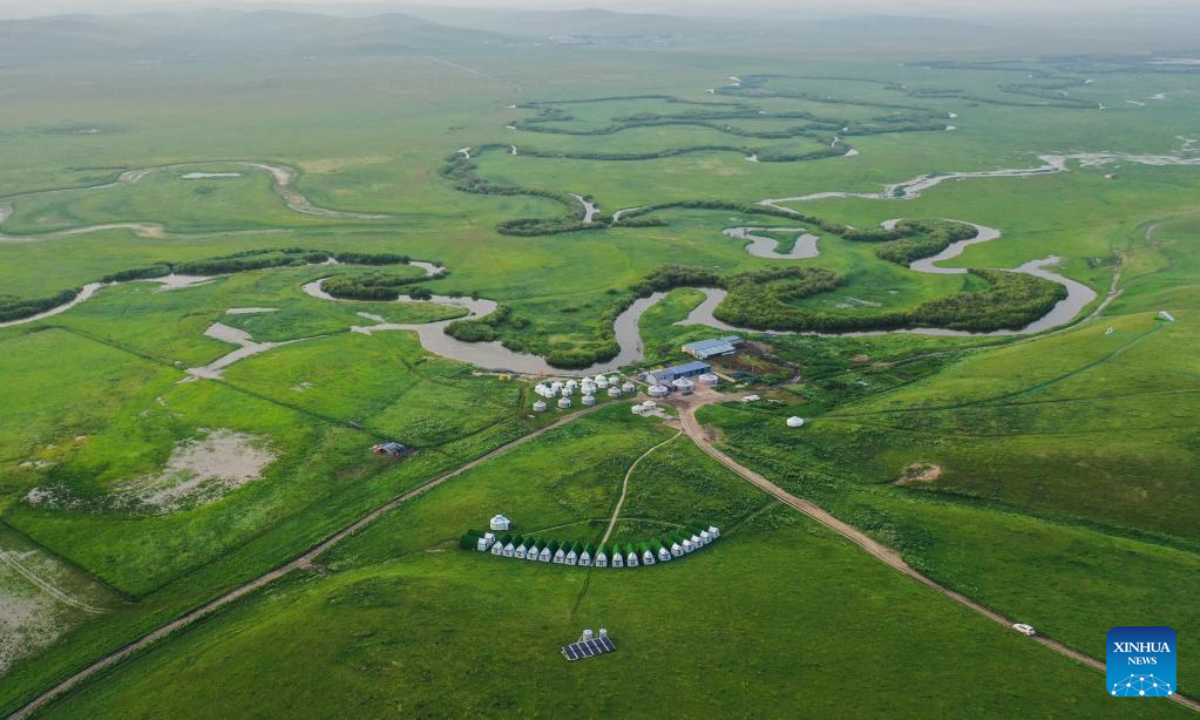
922 472
27 624
39 601
199 471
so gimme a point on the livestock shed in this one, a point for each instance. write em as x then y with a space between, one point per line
675 372
705 349
391 449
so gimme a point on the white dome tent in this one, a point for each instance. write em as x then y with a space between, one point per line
795 422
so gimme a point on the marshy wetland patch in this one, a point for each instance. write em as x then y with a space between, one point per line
200 470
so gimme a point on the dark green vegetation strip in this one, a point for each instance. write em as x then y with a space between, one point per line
16 308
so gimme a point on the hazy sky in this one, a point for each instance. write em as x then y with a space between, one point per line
910 7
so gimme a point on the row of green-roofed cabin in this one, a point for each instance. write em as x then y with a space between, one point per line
671 545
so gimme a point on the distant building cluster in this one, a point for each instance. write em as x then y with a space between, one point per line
587 388
616 555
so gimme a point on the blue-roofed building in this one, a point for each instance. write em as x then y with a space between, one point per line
687 370
705 349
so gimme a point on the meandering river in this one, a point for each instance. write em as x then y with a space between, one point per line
494 356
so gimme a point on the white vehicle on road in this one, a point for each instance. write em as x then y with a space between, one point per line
1026 630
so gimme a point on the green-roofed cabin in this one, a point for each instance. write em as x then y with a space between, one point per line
631 556
647 555
600 557
470 540
587 555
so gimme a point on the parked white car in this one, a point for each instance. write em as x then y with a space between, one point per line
1026 630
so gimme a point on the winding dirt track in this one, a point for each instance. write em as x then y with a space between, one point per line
625 487
687 413
298 563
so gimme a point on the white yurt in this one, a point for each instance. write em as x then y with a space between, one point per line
629 388
601 382
638 409
709 379
589 400
564 402
614 392
649 404
539 406
683 385
658 391
613 380
795 422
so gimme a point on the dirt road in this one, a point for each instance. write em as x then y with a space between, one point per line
688 405
298 563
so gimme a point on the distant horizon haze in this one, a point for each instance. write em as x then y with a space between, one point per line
967 9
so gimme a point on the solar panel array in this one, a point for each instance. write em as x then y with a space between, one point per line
588 648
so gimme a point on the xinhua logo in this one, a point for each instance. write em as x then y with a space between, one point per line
1141 661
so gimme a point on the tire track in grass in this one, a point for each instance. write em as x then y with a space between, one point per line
8 557
1016 393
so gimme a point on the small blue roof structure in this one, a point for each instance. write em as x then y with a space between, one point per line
394 449
686 370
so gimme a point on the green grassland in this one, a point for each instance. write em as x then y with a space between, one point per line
1069 459
1066 496
414 621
